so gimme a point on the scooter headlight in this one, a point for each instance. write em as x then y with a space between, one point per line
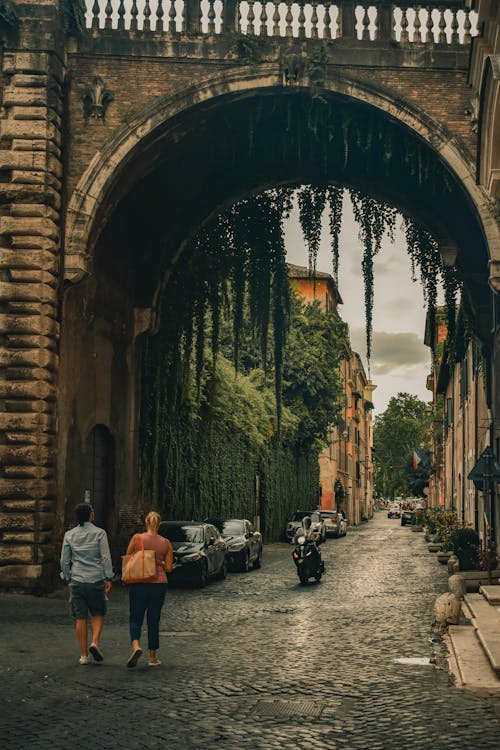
301 539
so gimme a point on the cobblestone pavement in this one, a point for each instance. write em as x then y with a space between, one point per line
256 661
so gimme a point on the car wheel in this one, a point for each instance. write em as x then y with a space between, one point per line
202 580
223 570
318 576
258 561
246 562
323 538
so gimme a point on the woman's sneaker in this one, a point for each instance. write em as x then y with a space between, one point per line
154 663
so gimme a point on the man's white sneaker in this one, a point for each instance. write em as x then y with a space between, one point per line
84 660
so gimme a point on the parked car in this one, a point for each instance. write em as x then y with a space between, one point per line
335 523
407 517
317 523
244 544
394 512
200 552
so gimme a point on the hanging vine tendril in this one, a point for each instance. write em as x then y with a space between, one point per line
312 202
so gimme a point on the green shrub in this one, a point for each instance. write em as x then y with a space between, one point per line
464 543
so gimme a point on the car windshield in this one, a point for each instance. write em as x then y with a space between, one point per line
233 528
301 514
183 533
328 515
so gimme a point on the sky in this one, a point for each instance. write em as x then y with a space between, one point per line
400 361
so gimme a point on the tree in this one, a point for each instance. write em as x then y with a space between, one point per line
401 428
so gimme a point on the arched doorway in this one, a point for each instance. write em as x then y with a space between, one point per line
99 474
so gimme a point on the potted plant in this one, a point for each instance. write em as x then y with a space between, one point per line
465 545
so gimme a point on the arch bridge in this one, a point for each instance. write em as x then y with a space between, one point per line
126 124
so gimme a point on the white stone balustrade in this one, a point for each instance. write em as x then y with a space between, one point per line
447 23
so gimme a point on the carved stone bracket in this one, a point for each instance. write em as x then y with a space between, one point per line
96 100
76 267
292 68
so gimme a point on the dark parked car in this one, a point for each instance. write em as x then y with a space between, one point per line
199 551
244 544
335 523
407 517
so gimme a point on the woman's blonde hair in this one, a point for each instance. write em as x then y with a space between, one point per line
153 520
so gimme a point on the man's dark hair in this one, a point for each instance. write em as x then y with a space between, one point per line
82 512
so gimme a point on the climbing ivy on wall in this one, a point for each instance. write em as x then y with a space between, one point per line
73 16
8 14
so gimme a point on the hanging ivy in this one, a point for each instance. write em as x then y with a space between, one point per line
374 219
73 16
335 198
8 14
311 202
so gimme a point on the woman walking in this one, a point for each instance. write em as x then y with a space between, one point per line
148 598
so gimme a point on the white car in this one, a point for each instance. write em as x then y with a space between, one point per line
335 523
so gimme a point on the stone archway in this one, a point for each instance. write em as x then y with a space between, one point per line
86 215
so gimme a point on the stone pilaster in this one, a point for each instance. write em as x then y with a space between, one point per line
30 202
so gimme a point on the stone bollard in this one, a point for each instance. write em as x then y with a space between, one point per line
446 612
453 565
457 586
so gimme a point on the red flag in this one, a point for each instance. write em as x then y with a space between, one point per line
416 460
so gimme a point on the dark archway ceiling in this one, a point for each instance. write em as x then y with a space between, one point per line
216 153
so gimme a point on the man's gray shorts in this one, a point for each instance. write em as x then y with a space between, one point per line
87 598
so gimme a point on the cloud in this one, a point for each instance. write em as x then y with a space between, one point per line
402 351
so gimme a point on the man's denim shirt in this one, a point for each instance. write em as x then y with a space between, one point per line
85 556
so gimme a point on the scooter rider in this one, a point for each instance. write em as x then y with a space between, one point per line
311 535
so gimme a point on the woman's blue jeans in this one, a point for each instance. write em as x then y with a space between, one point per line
146 599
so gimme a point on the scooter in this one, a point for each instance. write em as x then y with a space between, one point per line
307 559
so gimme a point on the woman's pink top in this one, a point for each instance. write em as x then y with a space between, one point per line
161 547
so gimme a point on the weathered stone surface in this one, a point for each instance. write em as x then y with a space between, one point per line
27 62
40 210
29 357
16 553
446 611
29 225
29 438
23 422
26 292
25 454
38 259
29 130
21 576
457 585
17 521
28 324
27 506
34 193
26 488
32 276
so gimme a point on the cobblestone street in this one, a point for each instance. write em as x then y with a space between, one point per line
256 661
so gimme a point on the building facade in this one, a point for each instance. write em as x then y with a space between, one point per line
346 463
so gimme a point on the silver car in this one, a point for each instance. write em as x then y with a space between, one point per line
335 523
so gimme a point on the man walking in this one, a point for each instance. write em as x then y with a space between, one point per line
86 564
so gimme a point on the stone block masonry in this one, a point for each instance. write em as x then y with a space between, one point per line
30 185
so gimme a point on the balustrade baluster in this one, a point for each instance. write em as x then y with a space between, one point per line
327 21
211 17
147 16
289 19
276 18
365 34
467 28
121 15
134 12
442 27
404 26
348 19
302 22
263 19
250 18
376 24
172 13
95 14
108 11
454 29
159 16
429 36
314 19
417 36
